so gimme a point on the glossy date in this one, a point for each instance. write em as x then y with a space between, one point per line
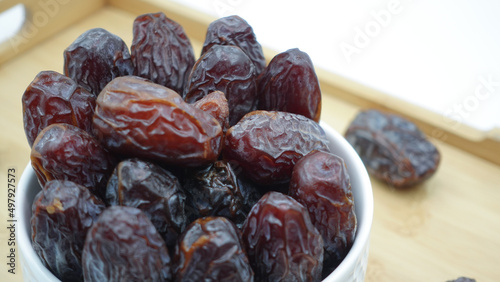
137 118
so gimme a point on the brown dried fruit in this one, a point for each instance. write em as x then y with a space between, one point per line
95 58
161 51
62 213
215 104
123 245
152 189
211 250
281 242
321 183
266 145
393 149
138 118
65 152
233 30
227 69
289 83
54 98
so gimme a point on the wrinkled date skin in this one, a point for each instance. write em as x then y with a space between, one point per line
152 189
211 250
215 191
95 58
55 98
227 69
320 181
62 213
123 245
216 105
137 118
233 30
289 84
393 149
65 152
281 242
266 145
161 51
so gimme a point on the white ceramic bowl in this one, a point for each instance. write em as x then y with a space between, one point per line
352 268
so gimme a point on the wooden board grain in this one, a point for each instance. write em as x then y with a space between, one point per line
444 228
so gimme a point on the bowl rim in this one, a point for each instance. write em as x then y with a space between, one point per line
345 268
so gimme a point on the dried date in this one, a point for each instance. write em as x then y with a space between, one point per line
289 83
161 51
266 145
215 191
55 98
393 149
211 250
62 213
281 242
152 189
233 30
227 69
65 152
138 118
216 105
95 58
123 245
320 181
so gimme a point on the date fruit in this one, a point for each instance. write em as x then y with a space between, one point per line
211 250
123 245
65 152
320 181
215 191
62 213
152 189
138 118
233 30
393 149
215 104
161 51
281 242
266 145
55 98
228 69
289 83
95 58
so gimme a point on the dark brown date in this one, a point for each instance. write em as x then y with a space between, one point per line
266 145
227 69
289 83
62 213
215 191
123 245
281 242
161 51
65 152
320 181
393 149
95 58
152 189
55 98
215 104
138 118
211 250
233 30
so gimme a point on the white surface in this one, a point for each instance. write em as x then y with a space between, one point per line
435 54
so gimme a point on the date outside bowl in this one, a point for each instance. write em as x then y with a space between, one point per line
352 268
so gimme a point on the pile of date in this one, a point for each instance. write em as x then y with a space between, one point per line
156 166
